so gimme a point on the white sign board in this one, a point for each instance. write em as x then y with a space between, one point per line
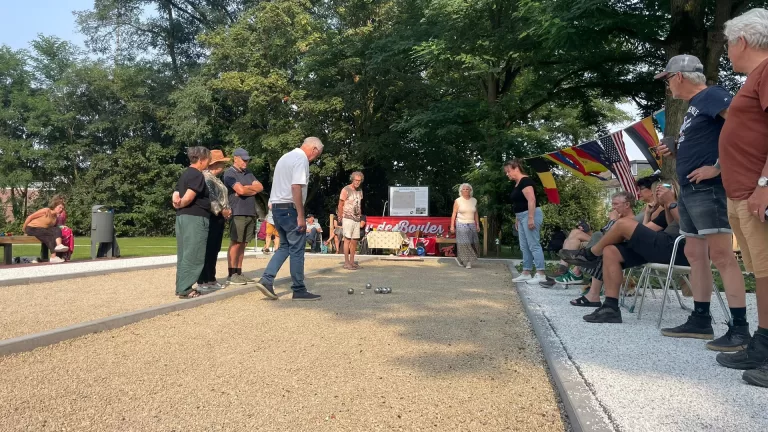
408 201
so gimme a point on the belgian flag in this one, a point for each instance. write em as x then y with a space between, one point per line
543 169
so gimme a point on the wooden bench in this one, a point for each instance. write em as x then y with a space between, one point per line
9 241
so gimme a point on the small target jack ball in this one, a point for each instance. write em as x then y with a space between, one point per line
350 291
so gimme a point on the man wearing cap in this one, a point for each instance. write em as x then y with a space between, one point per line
702 203
243 187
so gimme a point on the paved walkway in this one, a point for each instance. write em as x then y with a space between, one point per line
646 382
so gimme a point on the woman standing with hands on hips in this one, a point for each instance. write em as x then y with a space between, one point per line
528 220
466 224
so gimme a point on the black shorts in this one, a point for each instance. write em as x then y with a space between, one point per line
649 246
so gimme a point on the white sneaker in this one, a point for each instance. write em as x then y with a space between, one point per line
536 279
522 278
61 248
458 262
469 265
56 260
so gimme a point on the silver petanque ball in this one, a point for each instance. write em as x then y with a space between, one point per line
350 291
377 290
368 286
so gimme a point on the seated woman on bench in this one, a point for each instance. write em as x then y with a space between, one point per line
42 225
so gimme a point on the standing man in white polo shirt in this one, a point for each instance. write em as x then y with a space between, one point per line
289 191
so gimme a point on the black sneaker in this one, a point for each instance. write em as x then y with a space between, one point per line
753 357
604 314
548 283
305 295
697 327
758 377
266 289
579 258
736 339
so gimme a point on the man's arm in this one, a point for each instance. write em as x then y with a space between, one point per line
299 203
248 190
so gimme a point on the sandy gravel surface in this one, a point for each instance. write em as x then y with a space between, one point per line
448 350
26 309
648 382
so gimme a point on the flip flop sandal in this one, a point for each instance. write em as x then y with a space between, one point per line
584 302
192 294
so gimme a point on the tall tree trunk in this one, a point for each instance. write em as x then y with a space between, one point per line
171 38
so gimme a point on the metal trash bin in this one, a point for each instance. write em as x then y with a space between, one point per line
102 230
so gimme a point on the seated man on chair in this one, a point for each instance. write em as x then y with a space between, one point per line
313 229
630 244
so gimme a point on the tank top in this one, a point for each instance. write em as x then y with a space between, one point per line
467 209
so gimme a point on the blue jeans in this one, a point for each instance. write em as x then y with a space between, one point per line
292 243
311 238
530 242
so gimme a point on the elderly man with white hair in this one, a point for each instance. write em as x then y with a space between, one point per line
744 162
466 224
702 204
289 191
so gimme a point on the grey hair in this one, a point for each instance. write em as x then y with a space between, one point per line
471 191
356 174
752 26
695 77
198 153
314 142
627 197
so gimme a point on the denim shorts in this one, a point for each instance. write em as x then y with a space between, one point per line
703 210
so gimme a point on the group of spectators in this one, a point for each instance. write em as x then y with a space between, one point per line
721 191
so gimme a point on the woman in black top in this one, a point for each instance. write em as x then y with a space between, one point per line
528 220
193 214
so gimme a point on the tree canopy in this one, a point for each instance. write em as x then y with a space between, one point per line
412 92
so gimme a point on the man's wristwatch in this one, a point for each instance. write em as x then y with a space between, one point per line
762 181
672 205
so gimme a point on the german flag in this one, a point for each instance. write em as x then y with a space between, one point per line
643 134
544 171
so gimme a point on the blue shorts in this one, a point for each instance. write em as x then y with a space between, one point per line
703 210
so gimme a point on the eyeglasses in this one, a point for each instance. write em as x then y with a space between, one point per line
668 79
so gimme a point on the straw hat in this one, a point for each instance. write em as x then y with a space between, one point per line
218 156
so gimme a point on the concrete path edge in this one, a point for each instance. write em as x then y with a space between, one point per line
579 402
50 337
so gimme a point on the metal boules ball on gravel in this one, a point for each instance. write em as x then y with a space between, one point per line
368 286
377 290
351 291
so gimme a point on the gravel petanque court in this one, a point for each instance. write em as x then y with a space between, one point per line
26 309
448 350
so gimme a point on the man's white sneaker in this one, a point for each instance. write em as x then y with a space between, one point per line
536 279
56 260
61 248
522 278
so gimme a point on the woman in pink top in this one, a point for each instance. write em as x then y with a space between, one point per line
466 224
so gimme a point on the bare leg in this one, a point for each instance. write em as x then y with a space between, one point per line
346 253
267 242
594 290
352 251
612 272
620 231
721 254
762 302
235 254
697 253
241 254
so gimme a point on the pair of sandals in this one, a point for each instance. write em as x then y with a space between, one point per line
352 267
584 302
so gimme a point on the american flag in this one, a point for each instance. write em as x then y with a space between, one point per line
616 155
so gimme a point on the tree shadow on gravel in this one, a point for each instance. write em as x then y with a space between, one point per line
463 321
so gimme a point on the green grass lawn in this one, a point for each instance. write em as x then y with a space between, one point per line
129 247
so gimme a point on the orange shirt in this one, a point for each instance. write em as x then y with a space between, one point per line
47 220
743 145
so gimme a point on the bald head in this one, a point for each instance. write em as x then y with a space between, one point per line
312 147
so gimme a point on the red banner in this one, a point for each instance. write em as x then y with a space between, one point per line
429 226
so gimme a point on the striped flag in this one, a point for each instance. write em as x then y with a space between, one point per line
616 155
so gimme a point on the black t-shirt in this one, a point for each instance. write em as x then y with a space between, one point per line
700 133
519 202
193 179
672 229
